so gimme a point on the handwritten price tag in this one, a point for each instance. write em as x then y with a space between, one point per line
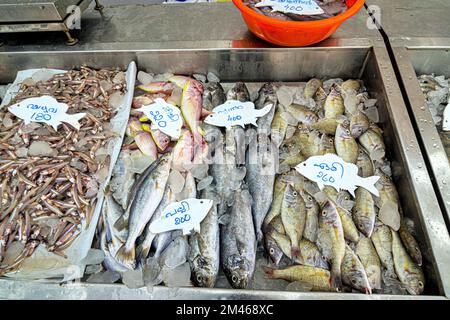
164 116
45 109
234 112
303 7
331 170
185 215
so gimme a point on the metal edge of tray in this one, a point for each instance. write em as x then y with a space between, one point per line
431 218
432 225
23 290
430 139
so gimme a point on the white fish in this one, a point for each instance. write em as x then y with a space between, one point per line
234 112
45 109
184 215
331 170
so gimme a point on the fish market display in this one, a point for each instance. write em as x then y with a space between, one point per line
436 90
50 175
270 227
272 9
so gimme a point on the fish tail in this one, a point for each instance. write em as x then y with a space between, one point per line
126 256
142 251
73 119
336 279
369 184
270 272
295 252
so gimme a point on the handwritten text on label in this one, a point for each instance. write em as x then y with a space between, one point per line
185 215
303 7
45 109
233 113
331 170
164 117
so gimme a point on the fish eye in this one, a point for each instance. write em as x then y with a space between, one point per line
234 278
421 285
347 131
272 251
304 164
324 213
361 226
295 193
310 198
199 278
359 129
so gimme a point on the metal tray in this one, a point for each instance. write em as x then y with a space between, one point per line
412 62
372 64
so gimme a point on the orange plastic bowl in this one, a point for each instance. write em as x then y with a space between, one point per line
295 33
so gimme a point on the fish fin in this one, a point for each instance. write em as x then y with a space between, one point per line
126 256
224 219
262 112
73 119
295 253
270 272
205 113
143 251
121 224
336 279
370 185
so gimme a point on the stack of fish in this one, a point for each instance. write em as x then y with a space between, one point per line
437 92
49 178
330 240
330 9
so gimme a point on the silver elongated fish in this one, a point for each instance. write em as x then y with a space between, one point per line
238 242
205 246
149 190
262 160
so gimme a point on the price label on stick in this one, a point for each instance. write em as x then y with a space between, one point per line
45 109
185 215
164 116
302 7
234 112
331 170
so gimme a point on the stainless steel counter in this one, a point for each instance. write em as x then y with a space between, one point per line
414 22
174 26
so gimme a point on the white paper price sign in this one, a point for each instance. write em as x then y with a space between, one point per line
185 215
234 112
331 170
303 7
45 109
164 116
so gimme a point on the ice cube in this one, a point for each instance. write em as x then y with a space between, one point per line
177 277
42 75
93 269
199 77
328 83
152 272
119 77
390 215
133 279
204 183
115 100
94 256
370 103
144 77
162 77
22 152
176 253
285 96
372 114
212 77
260 279
200 171
41 149
175 181
107 277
